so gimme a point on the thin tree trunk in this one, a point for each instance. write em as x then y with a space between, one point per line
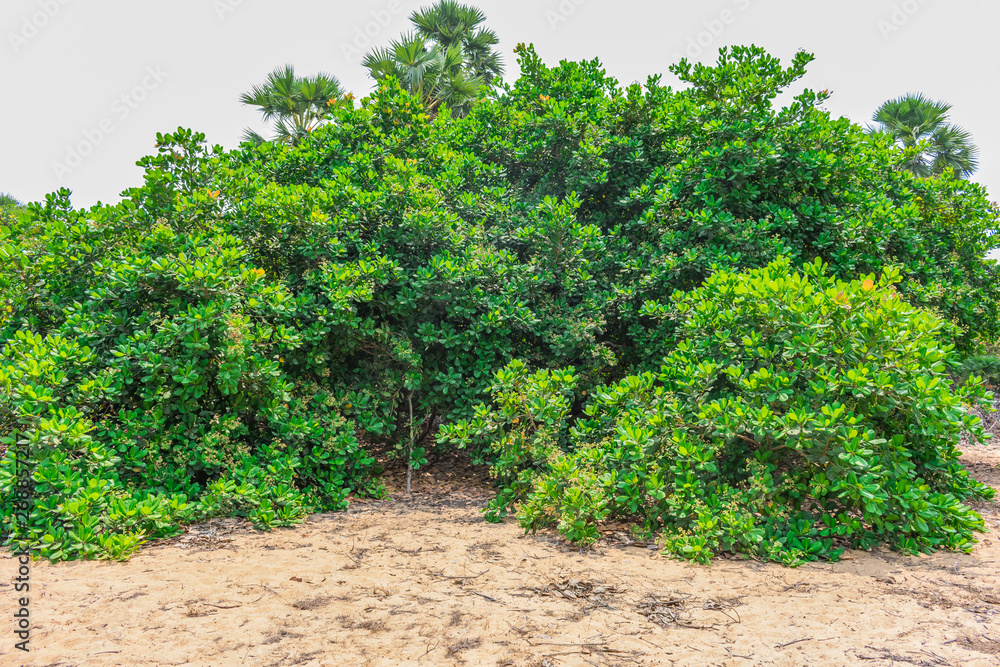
409 451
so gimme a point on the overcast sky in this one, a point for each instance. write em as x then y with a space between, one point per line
89 83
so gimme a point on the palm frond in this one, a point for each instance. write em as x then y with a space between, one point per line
457 91
953 149
253 137
290 132
381 64
9 201
920 126
292 101
912 117
448 59
447 22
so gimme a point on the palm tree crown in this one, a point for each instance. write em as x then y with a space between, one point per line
9 201
429 71
448 59
449 23
297 105
916 121
10 208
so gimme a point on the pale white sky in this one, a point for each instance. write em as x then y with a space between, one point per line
88 84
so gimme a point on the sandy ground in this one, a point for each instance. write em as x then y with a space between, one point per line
424 581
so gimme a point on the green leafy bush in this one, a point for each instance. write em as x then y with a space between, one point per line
797 415
680 181
524 432
245 329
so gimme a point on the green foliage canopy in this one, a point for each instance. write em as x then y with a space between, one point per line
246 329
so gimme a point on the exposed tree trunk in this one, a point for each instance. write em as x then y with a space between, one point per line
409 450
430 425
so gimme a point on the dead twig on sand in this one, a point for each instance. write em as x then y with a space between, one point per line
488 597
674 610
467 576
559 644
886 654
430 649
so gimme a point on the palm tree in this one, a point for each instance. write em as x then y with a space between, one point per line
448 60
10 208
9 202
449 23
429 71
916 121
297 105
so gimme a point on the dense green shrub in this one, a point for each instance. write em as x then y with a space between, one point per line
679 181
242 332
797 415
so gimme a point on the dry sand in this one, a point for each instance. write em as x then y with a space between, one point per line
424 581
